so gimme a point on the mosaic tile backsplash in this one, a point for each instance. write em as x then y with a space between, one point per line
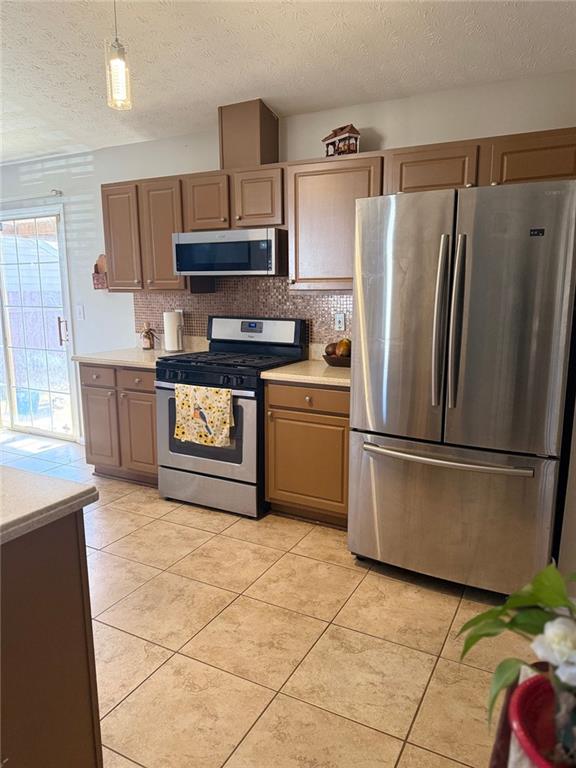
250 296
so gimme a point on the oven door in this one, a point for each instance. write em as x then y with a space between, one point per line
238 461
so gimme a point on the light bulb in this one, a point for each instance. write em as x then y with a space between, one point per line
117 76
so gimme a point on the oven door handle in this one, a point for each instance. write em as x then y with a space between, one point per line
234 392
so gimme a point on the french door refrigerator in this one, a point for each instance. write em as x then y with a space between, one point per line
463 308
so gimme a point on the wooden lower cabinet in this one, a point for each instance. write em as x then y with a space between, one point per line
138 431
100 409
306 456
120 422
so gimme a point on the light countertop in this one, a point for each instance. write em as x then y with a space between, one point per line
134 357
310 372
29 501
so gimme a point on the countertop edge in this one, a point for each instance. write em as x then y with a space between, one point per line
34 520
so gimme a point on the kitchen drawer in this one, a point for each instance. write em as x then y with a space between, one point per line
316 399
97 376
133 378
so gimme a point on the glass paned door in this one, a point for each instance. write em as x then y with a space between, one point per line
35 381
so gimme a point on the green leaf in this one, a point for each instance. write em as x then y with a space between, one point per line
546 589
488 628
530 621
492 613
505 674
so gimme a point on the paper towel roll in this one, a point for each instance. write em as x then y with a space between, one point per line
174 331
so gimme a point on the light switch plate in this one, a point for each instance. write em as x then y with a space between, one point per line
80 313
339 321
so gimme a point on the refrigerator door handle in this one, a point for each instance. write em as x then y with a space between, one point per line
437 326
455 320
485 468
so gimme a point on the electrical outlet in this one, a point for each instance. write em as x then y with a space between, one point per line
339 321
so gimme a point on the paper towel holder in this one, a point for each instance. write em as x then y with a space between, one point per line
174 342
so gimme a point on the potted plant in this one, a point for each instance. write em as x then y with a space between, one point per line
542 709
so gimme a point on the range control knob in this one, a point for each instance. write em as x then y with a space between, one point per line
238 381
225 380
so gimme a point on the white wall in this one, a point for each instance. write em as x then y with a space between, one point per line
515 106
109 318
507 107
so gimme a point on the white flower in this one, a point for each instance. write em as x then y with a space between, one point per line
557 645
567 673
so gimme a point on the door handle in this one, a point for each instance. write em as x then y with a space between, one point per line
437 324
447 464
62 337
456 320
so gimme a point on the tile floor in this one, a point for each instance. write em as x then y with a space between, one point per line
223 641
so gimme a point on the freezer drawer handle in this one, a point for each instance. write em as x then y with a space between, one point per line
492 470
456 320
438 325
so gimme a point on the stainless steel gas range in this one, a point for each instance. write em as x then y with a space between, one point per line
229 478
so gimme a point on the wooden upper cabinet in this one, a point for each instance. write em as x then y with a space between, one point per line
138 431
257 198
533 157
205 201
122 236
100 411
441 167
321 219
160 206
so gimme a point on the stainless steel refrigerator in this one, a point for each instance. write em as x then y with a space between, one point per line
463 308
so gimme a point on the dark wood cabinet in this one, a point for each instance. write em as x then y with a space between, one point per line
321 214
160 207
138 431
100 409
541 156
119 409
307 451
444 166
257 198
205 201
122 237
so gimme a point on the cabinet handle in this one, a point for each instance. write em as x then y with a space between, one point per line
148 282
109 394
238 218
122 395
137 380
136 282
223 218
95 376
269 414
468 185
308 399
493 183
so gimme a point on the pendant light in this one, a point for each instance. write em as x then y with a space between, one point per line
117 72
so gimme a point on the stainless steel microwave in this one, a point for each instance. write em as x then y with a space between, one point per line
231 252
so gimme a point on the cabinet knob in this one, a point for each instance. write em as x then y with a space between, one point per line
269 414
137 380
95 376
223 218
109 394
136 282
122 395
238 218
149 282
468 185
493 183
308 399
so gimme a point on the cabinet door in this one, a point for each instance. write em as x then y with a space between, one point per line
205 199
534 157
122 237
100 410
258 198
160 207
138 431
442 167
307 460
321 215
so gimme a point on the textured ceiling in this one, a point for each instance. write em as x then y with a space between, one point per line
186 58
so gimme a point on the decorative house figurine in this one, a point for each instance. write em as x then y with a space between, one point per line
342 141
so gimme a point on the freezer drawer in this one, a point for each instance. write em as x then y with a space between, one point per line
474 517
